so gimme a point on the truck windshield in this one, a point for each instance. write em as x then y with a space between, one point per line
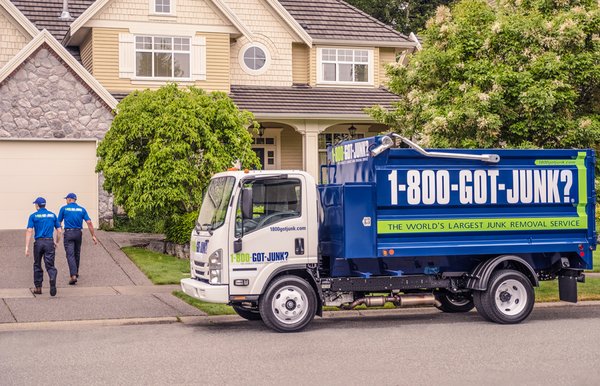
214 205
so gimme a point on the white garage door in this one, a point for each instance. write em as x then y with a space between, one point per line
50 169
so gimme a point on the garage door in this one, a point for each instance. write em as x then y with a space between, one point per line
50 169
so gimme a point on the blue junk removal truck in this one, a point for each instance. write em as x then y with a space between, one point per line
452 228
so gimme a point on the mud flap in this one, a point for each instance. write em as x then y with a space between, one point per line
567 284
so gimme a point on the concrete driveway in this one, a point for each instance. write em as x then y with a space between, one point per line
110 286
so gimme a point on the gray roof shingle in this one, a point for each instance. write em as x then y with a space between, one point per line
46 14
302 100
338 20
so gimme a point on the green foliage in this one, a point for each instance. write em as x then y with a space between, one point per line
140 224
164 146
159 268
405 15
503 74
208 308
179 227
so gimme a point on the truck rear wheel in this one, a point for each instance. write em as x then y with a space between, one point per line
451 302
289 304
246 313
508 299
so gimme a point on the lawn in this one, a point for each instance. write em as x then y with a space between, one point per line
160 268
596 260
209 308
548 290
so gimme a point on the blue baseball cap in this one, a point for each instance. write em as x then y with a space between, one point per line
72 195
40 201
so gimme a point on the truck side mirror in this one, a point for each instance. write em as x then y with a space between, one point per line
246 203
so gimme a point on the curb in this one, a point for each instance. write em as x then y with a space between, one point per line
220 319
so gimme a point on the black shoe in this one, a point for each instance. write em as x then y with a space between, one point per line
52 288
37 291
73 280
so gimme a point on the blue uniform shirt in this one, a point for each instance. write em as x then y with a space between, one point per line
74 215
43 222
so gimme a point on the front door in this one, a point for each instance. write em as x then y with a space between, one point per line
260 153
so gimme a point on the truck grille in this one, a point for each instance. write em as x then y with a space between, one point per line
201 270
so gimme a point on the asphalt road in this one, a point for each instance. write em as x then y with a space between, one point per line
556 346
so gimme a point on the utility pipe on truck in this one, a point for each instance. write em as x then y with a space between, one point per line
455 229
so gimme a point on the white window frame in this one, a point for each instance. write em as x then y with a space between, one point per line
370 63
171 12
249 70
171 51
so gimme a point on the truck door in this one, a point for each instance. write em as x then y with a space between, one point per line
275 236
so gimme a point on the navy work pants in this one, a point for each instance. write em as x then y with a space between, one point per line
73 249
43 248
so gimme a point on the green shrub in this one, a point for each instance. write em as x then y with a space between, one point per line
140 224
179 227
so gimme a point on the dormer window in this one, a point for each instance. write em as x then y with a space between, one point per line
162 6
345 66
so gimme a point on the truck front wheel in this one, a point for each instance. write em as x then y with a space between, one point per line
508 299
289 304
450 302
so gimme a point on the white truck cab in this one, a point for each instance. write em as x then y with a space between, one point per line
233 263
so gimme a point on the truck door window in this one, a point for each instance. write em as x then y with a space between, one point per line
273 200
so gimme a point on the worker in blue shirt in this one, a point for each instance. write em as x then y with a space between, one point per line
74 216
43 222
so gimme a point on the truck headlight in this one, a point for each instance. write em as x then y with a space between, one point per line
215 263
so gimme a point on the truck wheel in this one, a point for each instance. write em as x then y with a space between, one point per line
509 298
289 304
246 313
451 302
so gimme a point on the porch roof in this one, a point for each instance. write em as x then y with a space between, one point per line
302 102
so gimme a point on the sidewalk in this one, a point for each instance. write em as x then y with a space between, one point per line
110 285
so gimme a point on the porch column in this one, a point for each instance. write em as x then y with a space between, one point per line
310 149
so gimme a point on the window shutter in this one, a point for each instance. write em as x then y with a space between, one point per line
198 58
126 55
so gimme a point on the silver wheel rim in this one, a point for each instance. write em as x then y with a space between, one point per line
289 304
511 297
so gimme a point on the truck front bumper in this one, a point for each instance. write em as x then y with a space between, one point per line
205 292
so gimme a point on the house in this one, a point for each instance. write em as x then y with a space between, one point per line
306 69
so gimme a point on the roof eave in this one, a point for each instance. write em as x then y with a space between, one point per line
303 116
366 43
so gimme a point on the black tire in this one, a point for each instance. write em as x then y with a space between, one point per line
297 308
509 298
247 313
452 303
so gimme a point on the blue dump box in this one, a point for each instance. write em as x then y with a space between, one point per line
402 212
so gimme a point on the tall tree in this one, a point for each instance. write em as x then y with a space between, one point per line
405 15
511 73
164 146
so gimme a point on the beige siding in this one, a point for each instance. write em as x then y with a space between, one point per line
86 52
186 12
270 31
106 62
386 56
12 39
376 66
291 149
300 63
106 59
312 66
218 67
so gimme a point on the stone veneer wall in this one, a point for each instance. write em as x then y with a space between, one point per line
44 98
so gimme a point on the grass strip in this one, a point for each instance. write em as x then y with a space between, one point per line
160 268
209 308
548 290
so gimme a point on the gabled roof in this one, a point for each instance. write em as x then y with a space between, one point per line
99 4
338 21
47 15
45 37
18 16
302 101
